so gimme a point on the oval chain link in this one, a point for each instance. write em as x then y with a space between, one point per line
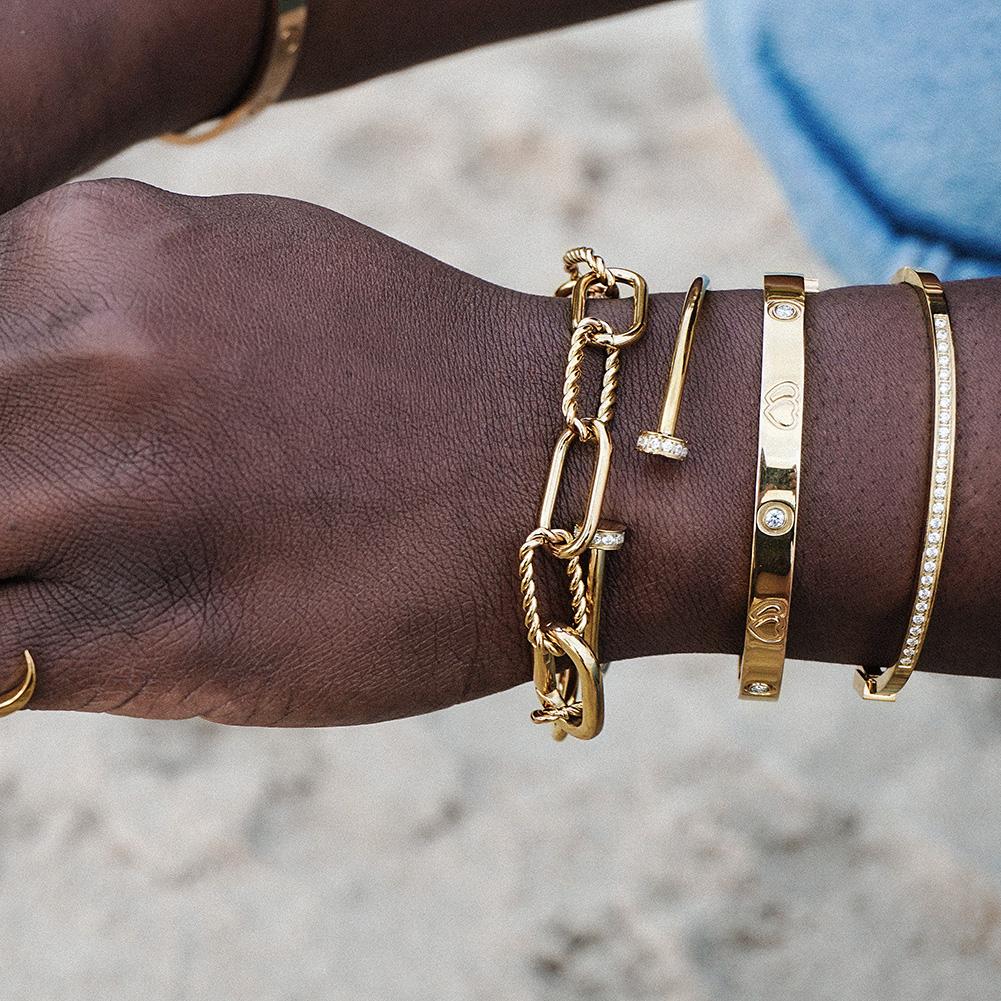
547 538
571 708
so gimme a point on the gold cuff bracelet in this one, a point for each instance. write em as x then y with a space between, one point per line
776 507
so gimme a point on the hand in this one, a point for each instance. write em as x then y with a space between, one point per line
259 463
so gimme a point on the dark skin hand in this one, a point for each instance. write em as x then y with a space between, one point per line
266 466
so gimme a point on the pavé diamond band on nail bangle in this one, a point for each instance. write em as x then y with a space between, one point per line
776 506
875 683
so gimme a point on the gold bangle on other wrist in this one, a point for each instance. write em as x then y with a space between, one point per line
776 506
878 684
276 64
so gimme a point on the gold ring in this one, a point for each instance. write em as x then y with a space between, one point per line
17 698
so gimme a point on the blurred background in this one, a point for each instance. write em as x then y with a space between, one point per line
701 849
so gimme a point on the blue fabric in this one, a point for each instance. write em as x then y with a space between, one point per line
882 120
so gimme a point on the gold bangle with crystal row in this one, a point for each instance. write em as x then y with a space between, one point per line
776 505
882 685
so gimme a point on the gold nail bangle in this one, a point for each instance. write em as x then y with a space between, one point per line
776 506
665 441
882 685
278 60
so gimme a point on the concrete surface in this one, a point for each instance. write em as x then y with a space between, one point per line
703 849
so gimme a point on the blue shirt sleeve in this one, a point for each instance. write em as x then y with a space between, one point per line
881 120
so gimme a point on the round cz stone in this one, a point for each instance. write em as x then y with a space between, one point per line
921 606
945 417
758 687
940 320
945 401
935 537
942 462
774 518
919 618
927 579
931 552
784 311
941 477
938 508
940 493
915 630
943 448
924 592
943 432
936 523
929 566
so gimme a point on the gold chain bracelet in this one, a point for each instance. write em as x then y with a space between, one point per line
572 698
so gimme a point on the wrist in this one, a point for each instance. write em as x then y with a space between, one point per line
680 583
80 89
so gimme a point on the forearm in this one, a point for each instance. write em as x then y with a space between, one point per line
352 40
680 584
84 80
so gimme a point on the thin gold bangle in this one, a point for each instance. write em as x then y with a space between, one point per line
878 684
776 506
278 60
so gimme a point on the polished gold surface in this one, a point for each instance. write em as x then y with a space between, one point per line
19 697
664 441
879 684
592 285
583 717
279 58
776 505
566 665
597 433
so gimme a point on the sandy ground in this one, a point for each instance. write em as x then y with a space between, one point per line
702 849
